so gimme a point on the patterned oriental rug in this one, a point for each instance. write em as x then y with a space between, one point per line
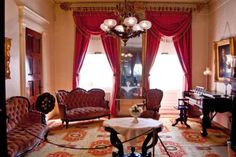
180 141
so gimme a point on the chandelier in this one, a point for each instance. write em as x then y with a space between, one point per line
128 25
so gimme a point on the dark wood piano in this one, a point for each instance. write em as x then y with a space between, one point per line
210 103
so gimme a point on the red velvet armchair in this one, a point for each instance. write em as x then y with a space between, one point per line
152 103
80 104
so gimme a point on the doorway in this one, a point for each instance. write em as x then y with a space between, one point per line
33 65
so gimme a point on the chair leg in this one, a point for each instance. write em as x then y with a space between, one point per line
67 124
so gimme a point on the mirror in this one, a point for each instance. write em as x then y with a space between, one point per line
131 69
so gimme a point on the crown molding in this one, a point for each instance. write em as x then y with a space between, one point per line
137 5
28 13
215 5
114 1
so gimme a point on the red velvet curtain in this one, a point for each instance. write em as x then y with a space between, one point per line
87 24
81 45
178 25
183 47
111 48
152 48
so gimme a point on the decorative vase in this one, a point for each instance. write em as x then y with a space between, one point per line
135 115
135 111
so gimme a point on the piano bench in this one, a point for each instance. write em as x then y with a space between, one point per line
183 115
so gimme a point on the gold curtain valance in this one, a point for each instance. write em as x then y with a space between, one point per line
138 6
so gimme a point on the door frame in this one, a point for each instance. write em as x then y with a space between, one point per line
29 19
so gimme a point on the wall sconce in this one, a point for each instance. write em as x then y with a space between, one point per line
229 61
207 73
233 66
226 81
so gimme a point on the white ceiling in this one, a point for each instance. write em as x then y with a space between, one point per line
109 1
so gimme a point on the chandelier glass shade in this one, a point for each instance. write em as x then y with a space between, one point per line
127 27
126 57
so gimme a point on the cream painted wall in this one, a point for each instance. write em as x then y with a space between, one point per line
12 31
221 13
64 48
44 9
199 46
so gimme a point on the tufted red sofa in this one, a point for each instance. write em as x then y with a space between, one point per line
22 125
80 104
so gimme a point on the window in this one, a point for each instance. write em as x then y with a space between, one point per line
96 71
167 73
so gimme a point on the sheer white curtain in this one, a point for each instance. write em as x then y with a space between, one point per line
96 71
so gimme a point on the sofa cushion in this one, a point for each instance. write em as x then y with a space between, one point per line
61 96
16 110
21 138
86 113
82 98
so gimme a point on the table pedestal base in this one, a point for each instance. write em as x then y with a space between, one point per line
115 141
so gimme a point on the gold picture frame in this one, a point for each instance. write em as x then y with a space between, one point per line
7 58
224 49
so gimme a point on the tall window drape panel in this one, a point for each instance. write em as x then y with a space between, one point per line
174 24
111 48
87 24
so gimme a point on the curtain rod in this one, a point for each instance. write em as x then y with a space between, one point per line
112 6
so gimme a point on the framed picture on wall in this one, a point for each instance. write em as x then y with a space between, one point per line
224 49
7 58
